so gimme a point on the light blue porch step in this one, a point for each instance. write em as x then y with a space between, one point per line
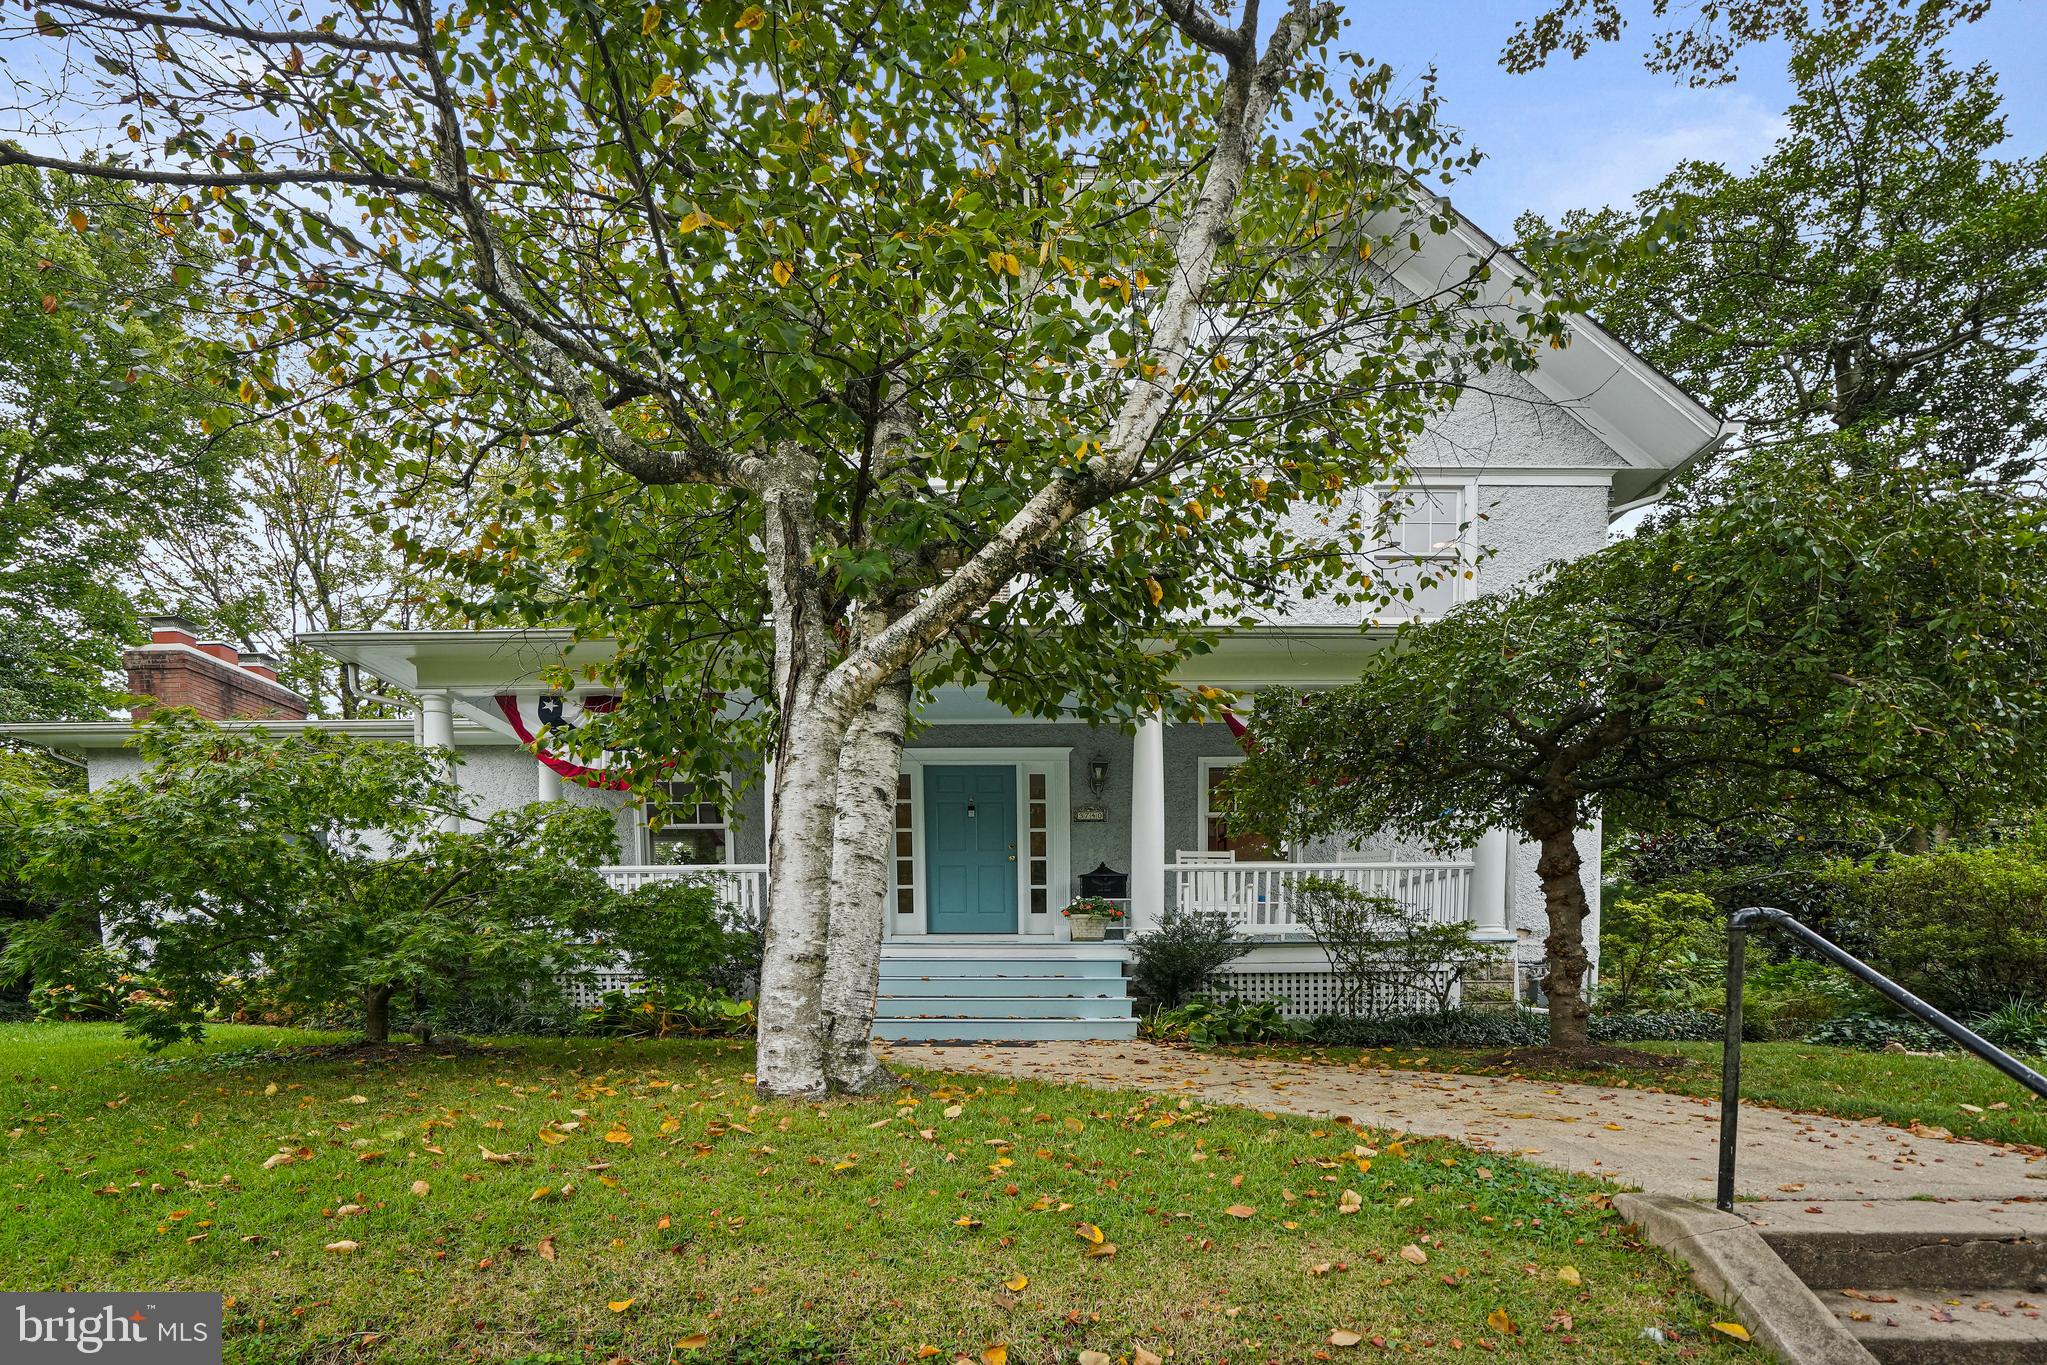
955 992
1075 987
913 965
1003 1007
1003 1030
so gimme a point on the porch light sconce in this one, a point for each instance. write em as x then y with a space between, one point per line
1097 773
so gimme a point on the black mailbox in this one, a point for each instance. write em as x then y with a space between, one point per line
1105 881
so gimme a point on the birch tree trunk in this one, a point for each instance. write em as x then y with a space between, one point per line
863 844
790 1048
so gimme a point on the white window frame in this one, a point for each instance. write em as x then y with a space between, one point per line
1460 556
724 805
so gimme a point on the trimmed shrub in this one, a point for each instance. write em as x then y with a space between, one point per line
1502 1028
1962 929
1660 1026
1184 957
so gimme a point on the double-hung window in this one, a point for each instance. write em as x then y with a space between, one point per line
1424 560
689 828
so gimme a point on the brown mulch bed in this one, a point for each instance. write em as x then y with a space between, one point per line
1592 1057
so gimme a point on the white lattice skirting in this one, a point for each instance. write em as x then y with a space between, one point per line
1303 993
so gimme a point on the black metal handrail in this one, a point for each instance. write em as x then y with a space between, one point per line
1730 1050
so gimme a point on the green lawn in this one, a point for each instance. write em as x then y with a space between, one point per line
1931 1090
652 1210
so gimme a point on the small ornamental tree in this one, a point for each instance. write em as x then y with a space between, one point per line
313 864
960 340
1805 643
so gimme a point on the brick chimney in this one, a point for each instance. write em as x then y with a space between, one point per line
177 668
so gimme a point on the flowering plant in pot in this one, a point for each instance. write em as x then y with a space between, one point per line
1091 915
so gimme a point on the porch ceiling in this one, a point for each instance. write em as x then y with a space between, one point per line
479 662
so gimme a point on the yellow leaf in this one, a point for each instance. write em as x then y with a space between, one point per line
1101 1249
650 19
1569 1275
782 272
541 1193
78 220
1016 1284
663 84
966 1220
619 1136
1011 264
1088 1232
1500 1322
753 16
552 1138
1072 1124
927 1350
1343 1336
696 1341
1094 1358
1732 1329
995 1355
1196 510
343 1248
1153 590
620 1305
693 220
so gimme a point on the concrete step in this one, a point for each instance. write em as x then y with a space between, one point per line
1910 1242
956 1030
1003 1007
1929 1326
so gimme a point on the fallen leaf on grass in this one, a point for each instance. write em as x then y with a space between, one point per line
1732 1329
1240 1211
926 1351
1088 1232
1101 1249
1095 1358
497 1158
696 1341
281 1159
1500 1322
1016 1284
619 1136
995 1355
343 1248
349 1210
539 1194
1140 1356
620 1305
1570 1276
1343 1336
1349 1202
1414 1255
421 1188
547 1252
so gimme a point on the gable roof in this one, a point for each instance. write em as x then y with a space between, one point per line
1640 413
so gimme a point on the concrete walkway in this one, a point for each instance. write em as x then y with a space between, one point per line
1662 1144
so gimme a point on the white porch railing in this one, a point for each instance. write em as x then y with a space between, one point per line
742 887
1257 897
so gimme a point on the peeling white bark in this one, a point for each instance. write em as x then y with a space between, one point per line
790 1047
863 844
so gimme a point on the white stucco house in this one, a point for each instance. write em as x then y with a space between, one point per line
1000 816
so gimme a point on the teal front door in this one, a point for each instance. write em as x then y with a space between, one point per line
970 848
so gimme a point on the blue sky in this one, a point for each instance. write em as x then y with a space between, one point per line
1590 132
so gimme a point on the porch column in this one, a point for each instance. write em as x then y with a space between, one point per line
437 731
1148 824
1489 886
549 787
